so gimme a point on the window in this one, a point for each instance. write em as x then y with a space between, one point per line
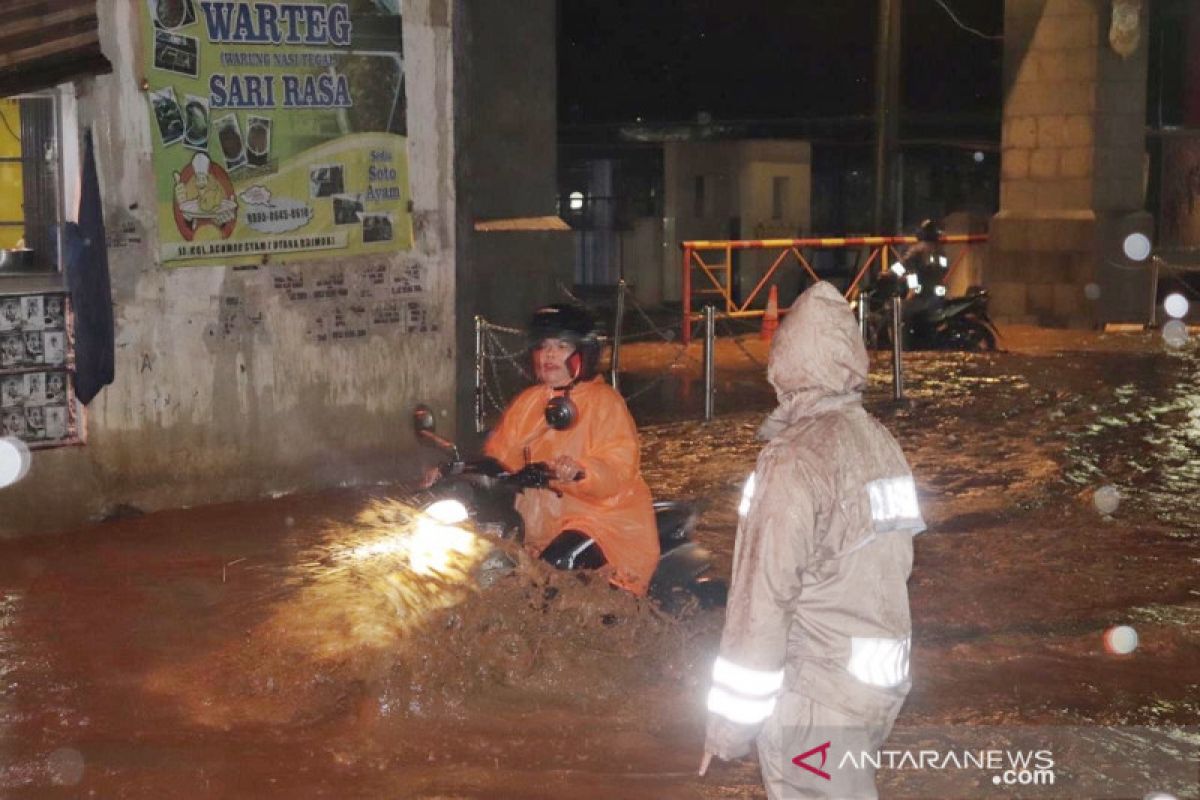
700 204
779 193
30 185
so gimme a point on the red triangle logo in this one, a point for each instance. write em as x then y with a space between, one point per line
823 749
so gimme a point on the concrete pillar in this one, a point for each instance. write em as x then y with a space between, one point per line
1191 100
1072 168
505 126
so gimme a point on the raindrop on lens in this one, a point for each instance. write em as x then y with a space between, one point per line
1175 333
289 521
1159 796
1106 499
1092 291
1121 640
66 766
1176 305
14 460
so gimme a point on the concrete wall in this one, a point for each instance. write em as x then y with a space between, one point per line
738 203
1072 166
645 256
223 388
505 166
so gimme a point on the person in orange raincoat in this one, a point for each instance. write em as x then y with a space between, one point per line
596 461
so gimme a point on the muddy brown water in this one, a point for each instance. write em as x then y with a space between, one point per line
283 648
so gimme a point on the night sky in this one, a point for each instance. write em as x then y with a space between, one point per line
668 60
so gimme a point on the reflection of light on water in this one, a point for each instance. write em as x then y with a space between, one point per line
387 571
1121 640
66 766
344 610
1175 333
1106 499
430 547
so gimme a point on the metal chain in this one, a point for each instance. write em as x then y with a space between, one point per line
733 335
666 373
502 329
483 382
507 355
495 352
516 358
667 335
489 394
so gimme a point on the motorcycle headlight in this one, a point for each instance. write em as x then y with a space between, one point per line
447 512
940 291
914 282
898 269
943 261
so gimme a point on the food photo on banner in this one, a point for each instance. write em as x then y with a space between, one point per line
278 135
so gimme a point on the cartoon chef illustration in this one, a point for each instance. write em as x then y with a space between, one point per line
204 196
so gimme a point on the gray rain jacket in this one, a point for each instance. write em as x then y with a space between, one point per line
818 603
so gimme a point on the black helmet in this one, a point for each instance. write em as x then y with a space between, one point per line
928 231
570 323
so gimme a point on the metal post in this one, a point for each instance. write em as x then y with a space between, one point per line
862 314
620 320
479 373
710 342
1156 261
897 334
685 332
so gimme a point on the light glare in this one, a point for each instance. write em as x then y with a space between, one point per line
1136 246
1176 305
447 512
14 460
1121 640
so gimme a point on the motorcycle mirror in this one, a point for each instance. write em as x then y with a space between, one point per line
423 419
423 425
561 413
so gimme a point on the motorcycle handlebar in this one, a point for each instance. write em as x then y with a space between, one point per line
537 475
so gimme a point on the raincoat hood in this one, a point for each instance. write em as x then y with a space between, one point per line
817 361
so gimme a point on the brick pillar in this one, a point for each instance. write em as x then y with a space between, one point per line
1072 169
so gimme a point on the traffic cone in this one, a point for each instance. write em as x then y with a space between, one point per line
771 318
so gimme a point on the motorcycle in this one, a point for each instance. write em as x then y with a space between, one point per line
487 493
932 322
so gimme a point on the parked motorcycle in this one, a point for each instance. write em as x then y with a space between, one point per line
487 493
929 323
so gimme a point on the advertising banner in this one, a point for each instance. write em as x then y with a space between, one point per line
279 129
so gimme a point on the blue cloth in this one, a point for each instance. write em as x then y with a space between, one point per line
88 284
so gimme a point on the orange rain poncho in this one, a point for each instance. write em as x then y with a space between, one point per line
611 504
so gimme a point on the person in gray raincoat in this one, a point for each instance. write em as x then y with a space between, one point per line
814 655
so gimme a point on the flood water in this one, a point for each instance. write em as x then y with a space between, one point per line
285 648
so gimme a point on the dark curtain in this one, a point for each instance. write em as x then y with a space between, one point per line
88 284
